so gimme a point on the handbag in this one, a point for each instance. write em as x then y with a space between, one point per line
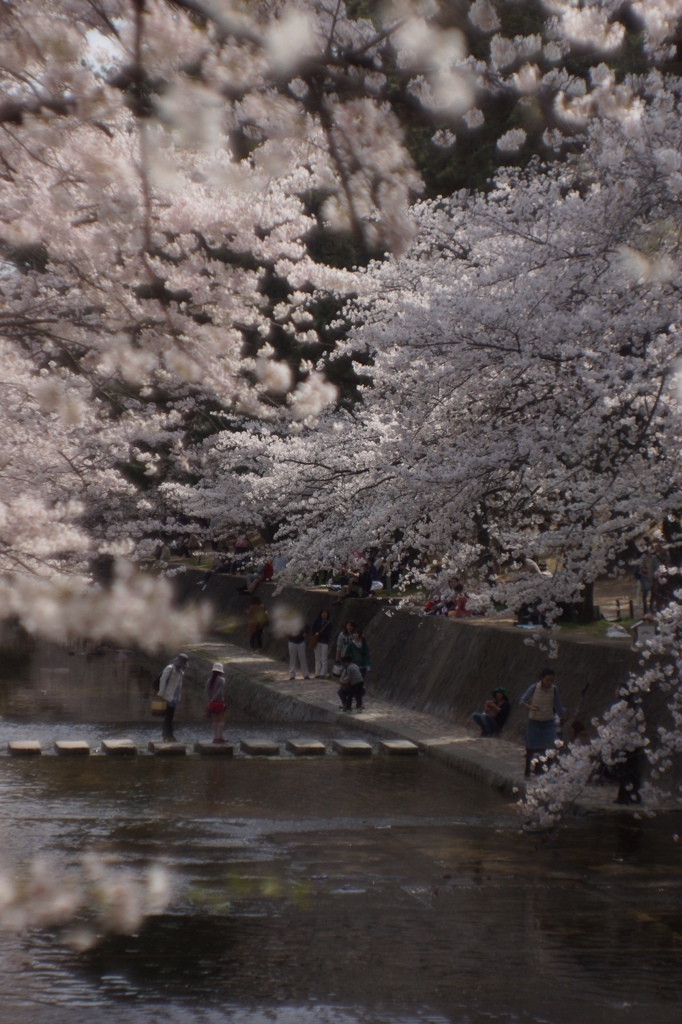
312 642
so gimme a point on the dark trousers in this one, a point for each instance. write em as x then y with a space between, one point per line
168 722
347 694
629 775
256 639
486 723
540 766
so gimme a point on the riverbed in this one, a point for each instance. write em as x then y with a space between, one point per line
330 890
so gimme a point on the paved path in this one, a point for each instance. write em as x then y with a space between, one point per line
496 762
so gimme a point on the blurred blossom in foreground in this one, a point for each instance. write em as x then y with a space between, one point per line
285 621
85 906
511 141
312 396
136 609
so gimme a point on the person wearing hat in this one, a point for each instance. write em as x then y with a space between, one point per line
170 690
215 701
495 713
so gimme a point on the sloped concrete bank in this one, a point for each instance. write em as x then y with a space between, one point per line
437 666
259 686
447 668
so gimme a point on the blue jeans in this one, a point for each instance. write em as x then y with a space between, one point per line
486 724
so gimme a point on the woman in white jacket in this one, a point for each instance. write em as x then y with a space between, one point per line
170 690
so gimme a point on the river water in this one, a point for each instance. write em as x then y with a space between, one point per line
319 891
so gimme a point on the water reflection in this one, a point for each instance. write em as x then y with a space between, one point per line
335 891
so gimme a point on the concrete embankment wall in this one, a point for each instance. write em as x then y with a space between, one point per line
439 666
447 668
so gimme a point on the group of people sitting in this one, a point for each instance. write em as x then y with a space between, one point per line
452 603
364 583
240 560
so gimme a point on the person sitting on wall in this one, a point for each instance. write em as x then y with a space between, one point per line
221 563
264 574
495 713
279 564
243 549
360 584
368 577
460 611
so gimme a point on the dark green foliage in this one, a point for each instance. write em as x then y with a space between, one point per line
367 9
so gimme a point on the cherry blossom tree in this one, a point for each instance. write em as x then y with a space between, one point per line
163 164
168 168
524 401
186 184
524 396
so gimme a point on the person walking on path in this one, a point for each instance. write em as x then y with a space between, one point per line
320 635
256 621
214 691
297 653
544 707
343 640
351 686
170 690
649 565
358 650
495 713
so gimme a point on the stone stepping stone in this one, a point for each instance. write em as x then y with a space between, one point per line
353 748
260 748
119 747
306 748
221 749
398 747
24 748
75 748
162 748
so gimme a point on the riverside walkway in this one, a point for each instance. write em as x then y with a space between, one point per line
261 685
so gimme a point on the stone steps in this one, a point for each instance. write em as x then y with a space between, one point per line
248 748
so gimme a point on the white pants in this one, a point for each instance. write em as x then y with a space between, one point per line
322 659
297 651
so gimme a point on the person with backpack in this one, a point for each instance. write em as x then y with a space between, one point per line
544 708
170 691
358 652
